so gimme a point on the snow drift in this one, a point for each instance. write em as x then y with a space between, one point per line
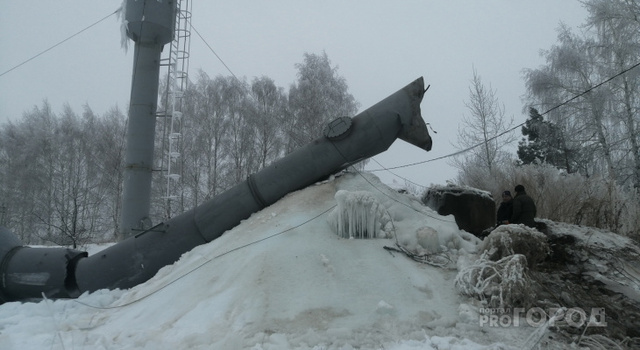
284 279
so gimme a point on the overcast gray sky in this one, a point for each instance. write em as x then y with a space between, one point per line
379 47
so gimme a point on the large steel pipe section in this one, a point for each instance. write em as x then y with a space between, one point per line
138 258
347 141
29 272
150 25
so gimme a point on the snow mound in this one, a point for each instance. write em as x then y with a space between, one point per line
281 280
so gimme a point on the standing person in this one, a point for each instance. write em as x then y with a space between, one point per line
524 209
505 210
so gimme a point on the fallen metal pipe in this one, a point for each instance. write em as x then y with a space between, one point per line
138 258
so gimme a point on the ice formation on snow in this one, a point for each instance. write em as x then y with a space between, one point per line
359 215
429 240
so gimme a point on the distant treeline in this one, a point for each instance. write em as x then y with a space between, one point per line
61 173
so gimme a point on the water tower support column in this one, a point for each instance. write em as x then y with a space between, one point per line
150 24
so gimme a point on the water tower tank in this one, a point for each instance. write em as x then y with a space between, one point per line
150 21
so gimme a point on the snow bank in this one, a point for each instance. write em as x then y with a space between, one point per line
282 279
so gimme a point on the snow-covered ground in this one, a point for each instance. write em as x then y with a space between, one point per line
283 279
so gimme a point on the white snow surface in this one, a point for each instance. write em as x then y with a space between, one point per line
283 279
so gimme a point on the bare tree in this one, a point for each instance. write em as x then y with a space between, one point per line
268 119
203 138
484 134
604 119
616 26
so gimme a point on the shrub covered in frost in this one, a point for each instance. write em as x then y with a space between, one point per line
358 214
507 240
500 284
590 201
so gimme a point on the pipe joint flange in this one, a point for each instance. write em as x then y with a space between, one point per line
338 129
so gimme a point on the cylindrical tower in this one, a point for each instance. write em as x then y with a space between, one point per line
150 25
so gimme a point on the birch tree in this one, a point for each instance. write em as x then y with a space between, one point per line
484 133
319 96
617 31
603 121
269 118
203 137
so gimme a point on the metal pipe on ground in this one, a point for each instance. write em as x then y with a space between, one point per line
138 258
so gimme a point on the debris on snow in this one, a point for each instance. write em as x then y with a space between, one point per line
283 280
535 337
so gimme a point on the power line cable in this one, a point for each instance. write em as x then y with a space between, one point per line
213 51
511 129
60 43
207 261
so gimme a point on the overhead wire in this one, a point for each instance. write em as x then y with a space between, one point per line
212 50
207 261
295 141
119 9
374 170
388 169
504 132
59 43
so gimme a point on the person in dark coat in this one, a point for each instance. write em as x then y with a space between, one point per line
505 210
524 209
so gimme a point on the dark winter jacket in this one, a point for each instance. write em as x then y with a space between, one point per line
505 211
524 210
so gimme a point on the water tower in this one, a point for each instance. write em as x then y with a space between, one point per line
150 24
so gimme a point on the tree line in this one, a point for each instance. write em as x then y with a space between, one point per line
579 157
580 153
61 173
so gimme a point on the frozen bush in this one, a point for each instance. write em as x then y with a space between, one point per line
572 198
507 240
500 284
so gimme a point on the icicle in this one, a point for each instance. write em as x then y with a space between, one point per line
124 39
359 215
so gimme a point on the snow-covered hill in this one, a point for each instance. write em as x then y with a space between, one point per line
284 279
